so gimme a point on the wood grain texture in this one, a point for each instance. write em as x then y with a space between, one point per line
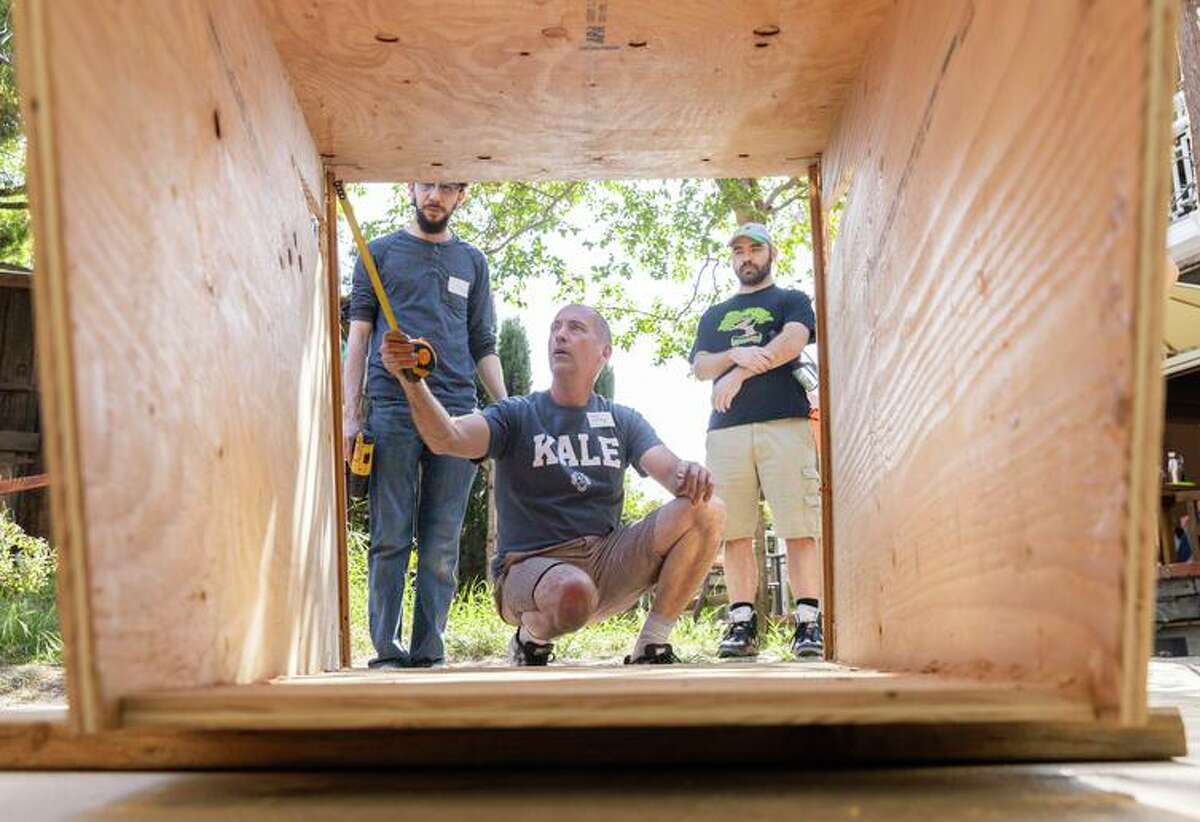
983 308
592 697
566 89
49 745
189 278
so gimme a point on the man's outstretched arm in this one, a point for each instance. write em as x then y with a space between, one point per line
680 477
467 437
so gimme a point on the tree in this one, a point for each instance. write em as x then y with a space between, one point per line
477 543
606 383
15 237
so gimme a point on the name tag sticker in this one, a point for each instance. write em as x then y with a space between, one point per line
600 419
459 286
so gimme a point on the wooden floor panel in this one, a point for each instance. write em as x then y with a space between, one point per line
564 697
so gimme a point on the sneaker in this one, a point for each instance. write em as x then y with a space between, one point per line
809 641
654 654
531 654
740 640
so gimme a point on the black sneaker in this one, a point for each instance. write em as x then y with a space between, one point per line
653 654
809 641
740 640
531 654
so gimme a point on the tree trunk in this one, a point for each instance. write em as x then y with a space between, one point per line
762 597
1189 60
490 545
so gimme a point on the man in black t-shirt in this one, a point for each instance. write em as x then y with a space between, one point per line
563 559
759 437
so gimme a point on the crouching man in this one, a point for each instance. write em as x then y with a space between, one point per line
563 560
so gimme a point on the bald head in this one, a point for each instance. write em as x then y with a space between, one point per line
595 318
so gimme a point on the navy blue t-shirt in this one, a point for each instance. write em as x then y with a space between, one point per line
439 291
560 471
756 319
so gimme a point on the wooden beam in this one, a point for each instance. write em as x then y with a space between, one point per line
56 370
50 745
17 485
817 227
15 279
1147 385
335 387
596 697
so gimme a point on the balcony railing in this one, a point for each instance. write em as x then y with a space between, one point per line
1184 198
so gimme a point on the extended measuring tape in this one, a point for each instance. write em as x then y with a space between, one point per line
426 356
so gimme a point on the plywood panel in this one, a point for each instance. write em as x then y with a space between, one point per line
534 89
991 406
187 211
597 697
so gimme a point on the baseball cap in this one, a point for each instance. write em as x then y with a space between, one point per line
754 231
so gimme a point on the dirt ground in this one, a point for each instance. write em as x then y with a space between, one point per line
22 685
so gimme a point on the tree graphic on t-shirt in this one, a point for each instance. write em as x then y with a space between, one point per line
744 320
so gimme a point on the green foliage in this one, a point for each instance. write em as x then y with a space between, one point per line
513 350
643 232
606 382
15 238
29 629
637 505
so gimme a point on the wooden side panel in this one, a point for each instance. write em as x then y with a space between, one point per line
990 403
188 216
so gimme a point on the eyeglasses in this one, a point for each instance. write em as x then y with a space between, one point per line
442 188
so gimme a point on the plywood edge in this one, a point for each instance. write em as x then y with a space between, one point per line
816 216
521 701
56 372
48 745
1147 384
335 387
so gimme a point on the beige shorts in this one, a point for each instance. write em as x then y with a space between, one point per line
780 457
622 565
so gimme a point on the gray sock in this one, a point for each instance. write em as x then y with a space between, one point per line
656 631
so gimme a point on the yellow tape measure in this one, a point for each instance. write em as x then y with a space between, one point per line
426 356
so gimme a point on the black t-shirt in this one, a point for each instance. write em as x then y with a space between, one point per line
756 319
560 471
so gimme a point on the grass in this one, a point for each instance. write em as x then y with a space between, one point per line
476 634
29 631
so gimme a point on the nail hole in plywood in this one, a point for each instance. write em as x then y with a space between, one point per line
761 45
743 156
436 164
328 156
217 123
483 156
637 44
386 37
767 31
705 159
554 31
524 53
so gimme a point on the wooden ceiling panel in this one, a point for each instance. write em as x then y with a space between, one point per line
561 89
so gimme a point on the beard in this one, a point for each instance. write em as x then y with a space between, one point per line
427 225
751 275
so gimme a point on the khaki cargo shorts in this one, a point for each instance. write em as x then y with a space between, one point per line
779 456
622 565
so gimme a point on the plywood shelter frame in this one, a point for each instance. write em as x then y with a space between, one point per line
1000 162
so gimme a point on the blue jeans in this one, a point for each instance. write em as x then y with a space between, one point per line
415 495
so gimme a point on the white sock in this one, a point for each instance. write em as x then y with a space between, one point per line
741 613
656 631
526 635
807 613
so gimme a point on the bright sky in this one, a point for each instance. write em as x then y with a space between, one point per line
674 403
